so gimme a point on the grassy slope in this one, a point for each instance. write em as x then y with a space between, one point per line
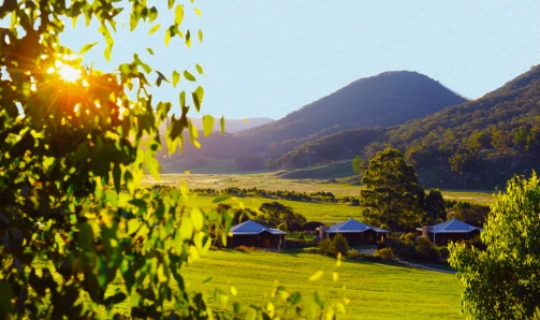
376 291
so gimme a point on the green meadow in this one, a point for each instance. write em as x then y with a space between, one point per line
324 212
375 291
273 181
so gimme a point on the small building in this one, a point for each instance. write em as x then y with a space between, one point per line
355 232
253 234
453 230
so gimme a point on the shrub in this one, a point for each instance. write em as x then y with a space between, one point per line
426 250
386 254
354 254
341 245
327 247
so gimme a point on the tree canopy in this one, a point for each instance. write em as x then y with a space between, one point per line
392 196
78 235
503 281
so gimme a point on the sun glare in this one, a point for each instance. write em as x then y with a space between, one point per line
67 72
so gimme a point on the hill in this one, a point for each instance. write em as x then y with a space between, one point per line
480 143
383 100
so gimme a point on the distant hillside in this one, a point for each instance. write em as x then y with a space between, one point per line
467 144
335 147
380 101
384 100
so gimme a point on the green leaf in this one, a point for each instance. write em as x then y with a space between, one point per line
208 124
170 4
222 124
188 39
200 34
154 29
150 51
189 76
295 298
186 229
178 14
161 77
182 98
175 78
197 219
200 69
222 198
198 96
86 48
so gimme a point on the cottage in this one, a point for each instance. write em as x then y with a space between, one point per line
355 232
253 234
453 230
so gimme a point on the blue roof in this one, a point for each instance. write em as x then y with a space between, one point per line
252 227
452 226
352 226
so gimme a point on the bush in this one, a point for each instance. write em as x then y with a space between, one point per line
354 254
386 254
341 245
327 247
426 250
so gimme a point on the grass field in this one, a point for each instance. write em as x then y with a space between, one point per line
272 181
325 212
376 291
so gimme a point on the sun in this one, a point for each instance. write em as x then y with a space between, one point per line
66 72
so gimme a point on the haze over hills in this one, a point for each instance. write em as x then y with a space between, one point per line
375 102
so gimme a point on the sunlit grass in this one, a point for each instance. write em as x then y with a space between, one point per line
377 291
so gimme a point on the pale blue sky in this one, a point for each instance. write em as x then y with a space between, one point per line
268 58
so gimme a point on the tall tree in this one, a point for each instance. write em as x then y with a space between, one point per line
392 196
503 282
434 207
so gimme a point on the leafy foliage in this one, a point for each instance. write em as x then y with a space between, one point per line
74 144
341 244
275 214
502 282
74 147
392 197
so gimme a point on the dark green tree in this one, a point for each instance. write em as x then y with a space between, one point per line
392 196
359 165
341 244
434 207
275 213
503 281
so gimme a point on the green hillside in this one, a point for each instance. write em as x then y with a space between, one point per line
478 144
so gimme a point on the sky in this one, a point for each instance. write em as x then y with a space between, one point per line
269 58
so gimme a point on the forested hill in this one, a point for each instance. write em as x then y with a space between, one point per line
384 100
492 137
